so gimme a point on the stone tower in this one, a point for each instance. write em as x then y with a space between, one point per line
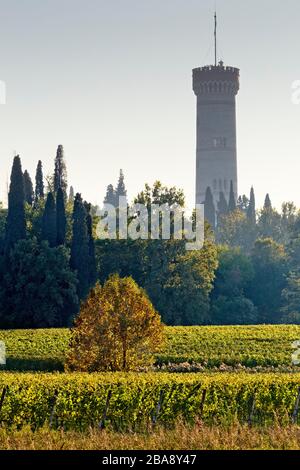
216 88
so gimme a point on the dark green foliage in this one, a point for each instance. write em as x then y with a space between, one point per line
209 209
242 203
229 304
39 182
291 300
15 224
222 206
92 257
120 189
61 220
232 200
110 197
80 247
49 232
267 203
270 263
60 171
251 215
38 289
233 311
71 195
28 188
159 194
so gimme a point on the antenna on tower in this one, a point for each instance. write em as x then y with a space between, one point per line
215 38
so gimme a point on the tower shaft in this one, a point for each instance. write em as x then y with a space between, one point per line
216 88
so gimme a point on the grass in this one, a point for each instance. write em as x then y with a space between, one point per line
208 346
182 437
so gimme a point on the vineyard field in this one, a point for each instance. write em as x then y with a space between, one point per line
138 401
208 346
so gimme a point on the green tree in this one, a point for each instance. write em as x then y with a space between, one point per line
39 289
269 222
209 209
39 182
251 214
60 172
49 229
291 300
187 286
232 230
91 243
110 197
117 329
160 194
71 195
222 206
232 200
15 224
233 311
243 203
270 263
28 188
61 220
80 247
120 189
228 302
267 203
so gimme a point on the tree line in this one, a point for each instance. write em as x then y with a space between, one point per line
247 271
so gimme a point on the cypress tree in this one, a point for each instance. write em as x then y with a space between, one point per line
222 205
92 257
231 203
60 171
15 222
110 197
120 189
242 203
80 247
28 188
49 221
209 208
39 182
251 208
61 220
267 204
71 195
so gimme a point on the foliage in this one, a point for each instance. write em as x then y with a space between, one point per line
61 220
49 229
207 346
39 182
117 329
209 208
60 171
80 247
270 263
15 224
28 188
135 401
38 289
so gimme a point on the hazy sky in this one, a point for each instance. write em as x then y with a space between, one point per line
111 80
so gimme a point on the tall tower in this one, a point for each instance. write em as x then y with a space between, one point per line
216 87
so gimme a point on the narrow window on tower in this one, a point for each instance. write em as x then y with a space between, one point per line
219 142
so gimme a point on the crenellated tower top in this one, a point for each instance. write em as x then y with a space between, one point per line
216 79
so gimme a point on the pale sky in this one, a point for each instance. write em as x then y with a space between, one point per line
111 80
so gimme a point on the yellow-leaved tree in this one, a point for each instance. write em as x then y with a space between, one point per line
117 329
